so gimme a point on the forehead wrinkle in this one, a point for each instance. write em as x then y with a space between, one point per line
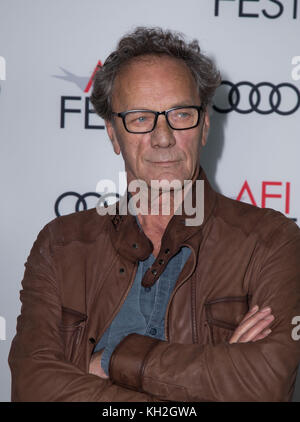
138 91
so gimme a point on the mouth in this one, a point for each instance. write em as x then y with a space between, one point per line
164 163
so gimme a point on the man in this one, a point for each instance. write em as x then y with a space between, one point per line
122 307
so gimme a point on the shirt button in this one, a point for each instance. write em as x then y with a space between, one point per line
167 251
154 272
135 246
147 289
153 331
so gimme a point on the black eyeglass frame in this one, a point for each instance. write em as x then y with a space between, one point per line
123 114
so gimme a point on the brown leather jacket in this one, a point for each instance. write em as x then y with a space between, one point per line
81 268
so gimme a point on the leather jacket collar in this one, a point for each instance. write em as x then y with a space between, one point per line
131 242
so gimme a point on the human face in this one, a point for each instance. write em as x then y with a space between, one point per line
157 83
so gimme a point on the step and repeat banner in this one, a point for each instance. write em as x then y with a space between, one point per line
55 150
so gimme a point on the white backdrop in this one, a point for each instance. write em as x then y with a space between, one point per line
49 50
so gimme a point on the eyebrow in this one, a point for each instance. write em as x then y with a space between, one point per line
181 104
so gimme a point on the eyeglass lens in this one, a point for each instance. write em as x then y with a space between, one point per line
143 121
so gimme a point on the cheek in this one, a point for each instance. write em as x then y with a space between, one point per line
131 151
190 146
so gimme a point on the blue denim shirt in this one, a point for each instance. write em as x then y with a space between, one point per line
143 311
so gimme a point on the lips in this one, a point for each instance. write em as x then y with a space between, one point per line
165 162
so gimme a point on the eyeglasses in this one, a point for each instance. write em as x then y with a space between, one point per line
144 121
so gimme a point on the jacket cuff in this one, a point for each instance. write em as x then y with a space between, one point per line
128 361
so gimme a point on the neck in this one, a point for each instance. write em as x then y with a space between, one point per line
155 211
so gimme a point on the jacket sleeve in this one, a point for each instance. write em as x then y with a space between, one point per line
264 370
40 371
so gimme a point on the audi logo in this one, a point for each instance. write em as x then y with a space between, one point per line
81 200
263 98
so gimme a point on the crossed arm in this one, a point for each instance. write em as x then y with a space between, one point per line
253 327
254 366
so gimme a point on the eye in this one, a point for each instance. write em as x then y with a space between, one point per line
137 118
183 114
141 119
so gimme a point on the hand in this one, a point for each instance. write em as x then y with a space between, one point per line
95 365
253 326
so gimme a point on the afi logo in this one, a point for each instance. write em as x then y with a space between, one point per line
2 69
84 83
268 192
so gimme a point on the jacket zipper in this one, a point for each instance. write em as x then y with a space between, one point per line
174 292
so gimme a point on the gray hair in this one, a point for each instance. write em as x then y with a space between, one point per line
143 41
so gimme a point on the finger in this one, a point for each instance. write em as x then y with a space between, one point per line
262 335
256 329
253 311
250 313
249 322
104 376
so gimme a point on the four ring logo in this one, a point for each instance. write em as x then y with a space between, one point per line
263 98
81 201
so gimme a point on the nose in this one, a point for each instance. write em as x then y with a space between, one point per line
162 135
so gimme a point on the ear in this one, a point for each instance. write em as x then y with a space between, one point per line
111 131
205 129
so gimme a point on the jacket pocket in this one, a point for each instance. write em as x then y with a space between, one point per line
223 315
72 327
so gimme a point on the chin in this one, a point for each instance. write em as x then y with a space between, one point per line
166 175
165 180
